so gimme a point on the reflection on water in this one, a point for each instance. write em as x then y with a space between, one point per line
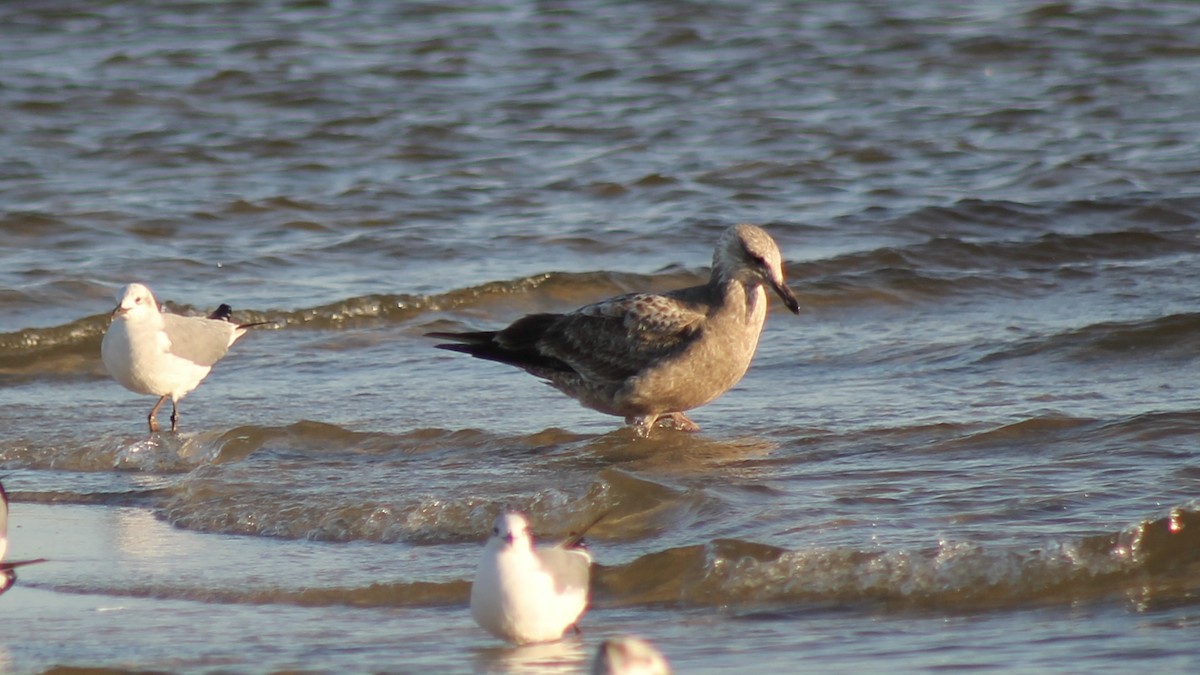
140 537
567 656
674 453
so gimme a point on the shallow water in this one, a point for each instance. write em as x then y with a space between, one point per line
976 447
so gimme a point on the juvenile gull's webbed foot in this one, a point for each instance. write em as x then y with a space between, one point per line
681 422
642 425
676 420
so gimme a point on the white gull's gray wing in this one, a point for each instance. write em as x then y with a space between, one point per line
569 567
201 341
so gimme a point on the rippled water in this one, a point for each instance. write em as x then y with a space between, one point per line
975 448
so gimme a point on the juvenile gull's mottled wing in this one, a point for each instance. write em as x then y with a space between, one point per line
618 338
201 341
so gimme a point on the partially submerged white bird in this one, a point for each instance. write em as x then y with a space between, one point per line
8 575
629 655
167 355
526 594
650 356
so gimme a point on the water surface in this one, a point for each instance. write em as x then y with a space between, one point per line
975 448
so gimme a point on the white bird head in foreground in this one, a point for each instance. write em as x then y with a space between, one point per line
526 594
629 655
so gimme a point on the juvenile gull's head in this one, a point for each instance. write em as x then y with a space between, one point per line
746 253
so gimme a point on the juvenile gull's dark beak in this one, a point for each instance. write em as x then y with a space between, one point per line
785 294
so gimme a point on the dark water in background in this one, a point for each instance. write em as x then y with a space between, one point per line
977 446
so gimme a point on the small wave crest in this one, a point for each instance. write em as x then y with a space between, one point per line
949 266
625 506
1176 336
550 289
964 575
47 352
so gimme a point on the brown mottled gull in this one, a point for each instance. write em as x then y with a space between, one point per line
649 356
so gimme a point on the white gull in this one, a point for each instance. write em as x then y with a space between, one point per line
650 356
167 355
8 575
526 594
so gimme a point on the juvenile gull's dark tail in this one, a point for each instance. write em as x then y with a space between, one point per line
480 344
516 345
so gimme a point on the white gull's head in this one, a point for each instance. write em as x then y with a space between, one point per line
511 529
135 301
